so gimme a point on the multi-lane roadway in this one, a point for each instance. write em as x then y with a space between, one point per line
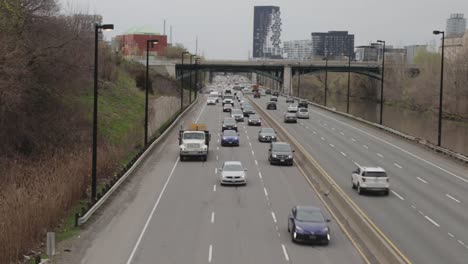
177 212
426 213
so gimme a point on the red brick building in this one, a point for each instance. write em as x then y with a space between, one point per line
133 43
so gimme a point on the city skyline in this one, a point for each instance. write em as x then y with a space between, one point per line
228 35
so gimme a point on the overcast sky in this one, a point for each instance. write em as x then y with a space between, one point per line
225 28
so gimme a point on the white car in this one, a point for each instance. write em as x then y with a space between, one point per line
370 179
228 99
233 173
302 113
212 100
292 109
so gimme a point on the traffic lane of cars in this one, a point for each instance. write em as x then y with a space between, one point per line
327 154
287 187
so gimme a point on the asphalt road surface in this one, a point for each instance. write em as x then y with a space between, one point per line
177 212
426 214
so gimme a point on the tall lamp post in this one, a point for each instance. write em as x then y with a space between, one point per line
326 81
382 42
197 61
149 42
349 82
182 82
299 81
190 96
439 135
97 27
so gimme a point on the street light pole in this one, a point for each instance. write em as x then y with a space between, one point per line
326 81
382 81
299 81
97 27
439 135
197 60
148 43
190 88
349 82
182 83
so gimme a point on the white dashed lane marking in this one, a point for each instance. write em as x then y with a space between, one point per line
397 195
210 253
422 180
380 155
260 175
265 191
353 140
214 188
285 252
397 165
216 170
256 162
212 217
432 221
342 153
366 147
273 216
331 145
453 198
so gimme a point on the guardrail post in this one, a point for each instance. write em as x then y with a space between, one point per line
50 244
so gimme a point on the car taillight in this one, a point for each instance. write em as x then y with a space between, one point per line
363 179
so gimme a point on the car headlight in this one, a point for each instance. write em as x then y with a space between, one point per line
224 125
205 147
224 138
182 147
290 156
274 155
298 228
235 125
324 230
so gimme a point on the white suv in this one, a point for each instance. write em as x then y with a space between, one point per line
370 179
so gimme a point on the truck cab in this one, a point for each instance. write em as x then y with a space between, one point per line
194 142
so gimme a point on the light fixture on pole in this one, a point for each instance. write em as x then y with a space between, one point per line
149 42
439 134
97 27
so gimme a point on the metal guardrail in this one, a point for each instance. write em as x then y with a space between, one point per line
377 246
83 219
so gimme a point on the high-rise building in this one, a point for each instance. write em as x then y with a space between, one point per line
332 44
267 32
297 49
456 25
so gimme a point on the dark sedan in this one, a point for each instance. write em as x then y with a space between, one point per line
267 134
271 106
229 123
230 138
248 110
254 120
280 153
308 224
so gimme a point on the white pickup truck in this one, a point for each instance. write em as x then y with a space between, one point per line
194 142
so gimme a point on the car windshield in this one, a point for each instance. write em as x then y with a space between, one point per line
228 97
268 130
227 106
229 121
309 216
282 147
374 174
189 135
229 133
233 167
253 117
303 110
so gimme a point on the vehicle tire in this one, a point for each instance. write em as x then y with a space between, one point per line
360 191
353 185
182 158
205 158
387 192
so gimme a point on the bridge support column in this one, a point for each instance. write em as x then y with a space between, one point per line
287 78
254 77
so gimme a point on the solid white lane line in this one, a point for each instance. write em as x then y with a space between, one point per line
342 153
212 217
451 197
380 155
130 258
285 253
260 175
450 235
432 221
398 165
265 191
210 253
214 188
353 139
395 146
216 170
366 147
331 145
273 216
256 162
397 195
422 180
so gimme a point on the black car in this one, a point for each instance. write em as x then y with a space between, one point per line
267 91
267 134
302 104
248 110
276 94
271 106
229 123
280 153
254 120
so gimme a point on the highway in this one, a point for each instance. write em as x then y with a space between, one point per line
426 213
176 212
